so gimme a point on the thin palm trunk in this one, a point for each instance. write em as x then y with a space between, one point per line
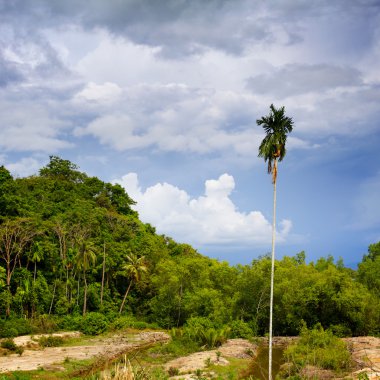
35 272
272 272
125 297
85 293
52 299
103 271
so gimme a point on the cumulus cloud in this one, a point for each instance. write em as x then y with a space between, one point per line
178 118
209 219
24 167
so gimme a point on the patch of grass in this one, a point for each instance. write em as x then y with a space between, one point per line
230 371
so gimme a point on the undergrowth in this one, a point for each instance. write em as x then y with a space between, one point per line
318 348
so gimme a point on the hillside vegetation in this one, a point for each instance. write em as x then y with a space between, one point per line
74 255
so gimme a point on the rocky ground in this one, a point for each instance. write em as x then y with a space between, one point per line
366 354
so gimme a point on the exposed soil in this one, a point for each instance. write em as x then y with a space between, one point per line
52 358
233 348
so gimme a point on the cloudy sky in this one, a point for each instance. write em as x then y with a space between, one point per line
163 97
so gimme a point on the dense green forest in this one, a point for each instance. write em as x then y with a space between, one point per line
71 244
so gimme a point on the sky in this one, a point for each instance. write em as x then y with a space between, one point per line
163 97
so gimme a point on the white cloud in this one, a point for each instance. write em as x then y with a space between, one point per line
106 92
211 218
26 126
178 118
25 167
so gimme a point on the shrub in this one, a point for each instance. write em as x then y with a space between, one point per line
173 371
44 324
9 344
240 329
319 348
14 327
340 330
50 341
122 322
9 333
94 324
71 323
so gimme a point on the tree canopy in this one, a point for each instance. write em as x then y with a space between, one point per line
70 243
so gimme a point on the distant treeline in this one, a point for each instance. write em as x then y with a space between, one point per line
72 244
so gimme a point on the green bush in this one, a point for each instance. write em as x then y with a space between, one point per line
240 329
43 324
9 344
320 348
203 331
9 333
94 324
70 323
340 330
14 327
50 341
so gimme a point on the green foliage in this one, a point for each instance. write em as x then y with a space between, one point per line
60 169
51 341
204 332
240 329
14 327
73 240
94 324
320 348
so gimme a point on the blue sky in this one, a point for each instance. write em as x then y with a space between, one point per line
163 97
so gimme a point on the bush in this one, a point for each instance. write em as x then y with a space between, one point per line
122 322
94 324
50 341
9 344
44 324
14 327
10 333
203 331
71 323
318 348
240 329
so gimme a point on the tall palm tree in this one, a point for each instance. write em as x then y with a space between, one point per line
276 126
85 258
134 269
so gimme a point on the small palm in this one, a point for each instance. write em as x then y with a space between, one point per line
134 269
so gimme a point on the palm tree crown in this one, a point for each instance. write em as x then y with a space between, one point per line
134 268
272 148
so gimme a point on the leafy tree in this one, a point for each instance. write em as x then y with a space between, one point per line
15 235
276 126
60 169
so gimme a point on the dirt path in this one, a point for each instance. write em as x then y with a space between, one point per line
51 358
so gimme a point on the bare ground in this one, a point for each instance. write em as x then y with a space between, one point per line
49 358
